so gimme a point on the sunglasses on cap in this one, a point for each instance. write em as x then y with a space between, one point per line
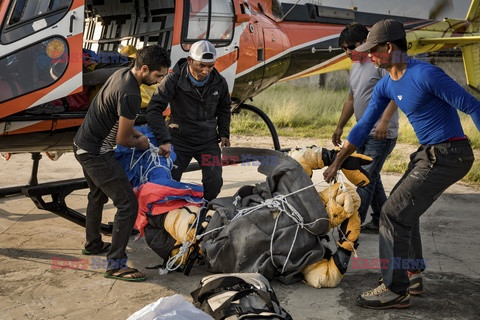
349 47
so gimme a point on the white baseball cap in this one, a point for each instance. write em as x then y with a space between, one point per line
203 51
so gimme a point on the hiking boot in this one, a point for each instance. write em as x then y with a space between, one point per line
416 283
370 227
382 298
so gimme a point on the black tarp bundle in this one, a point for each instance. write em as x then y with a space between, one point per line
245 244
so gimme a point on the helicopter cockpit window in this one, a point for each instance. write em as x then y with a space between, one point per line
29 16
32 68
212 20
222 21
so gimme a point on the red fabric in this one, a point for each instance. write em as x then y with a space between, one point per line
457 139
78 101
151 193
6 91
160 208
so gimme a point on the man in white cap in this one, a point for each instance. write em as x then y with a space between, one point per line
430 99
200 115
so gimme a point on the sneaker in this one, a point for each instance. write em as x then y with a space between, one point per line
416 283
382 298
369 227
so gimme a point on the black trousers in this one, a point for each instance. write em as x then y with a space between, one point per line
209 158
107 179
432 169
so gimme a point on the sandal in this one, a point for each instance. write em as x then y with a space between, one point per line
105 248
126 274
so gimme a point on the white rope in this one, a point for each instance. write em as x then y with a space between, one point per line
291 247
154 161
272 202
174 262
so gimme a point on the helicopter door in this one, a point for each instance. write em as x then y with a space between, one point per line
40 52
251 59
276 60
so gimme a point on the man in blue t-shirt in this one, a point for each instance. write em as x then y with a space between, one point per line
430 100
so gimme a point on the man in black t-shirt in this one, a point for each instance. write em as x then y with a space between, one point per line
109 121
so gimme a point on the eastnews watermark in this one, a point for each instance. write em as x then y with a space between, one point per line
357 263
208 160
101 57
396 263
397 57
94 263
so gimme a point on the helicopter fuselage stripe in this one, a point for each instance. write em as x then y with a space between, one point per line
287 51
67 87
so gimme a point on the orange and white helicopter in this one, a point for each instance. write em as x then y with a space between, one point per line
47 50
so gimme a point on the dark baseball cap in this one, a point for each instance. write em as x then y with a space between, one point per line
383 31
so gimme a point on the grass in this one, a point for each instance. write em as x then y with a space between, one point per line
308 111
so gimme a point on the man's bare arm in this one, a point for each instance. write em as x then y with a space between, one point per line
347 113
129 137
381 131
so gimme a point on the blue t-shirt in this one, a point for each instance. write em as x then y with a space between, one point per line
428 97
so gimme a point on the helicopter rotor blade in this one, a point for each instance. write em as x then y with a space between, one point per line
439 7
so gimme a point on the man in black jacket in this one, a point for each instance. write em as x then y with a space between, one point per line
200 115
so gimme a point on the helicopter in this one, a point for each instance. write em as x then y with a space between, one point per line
47 48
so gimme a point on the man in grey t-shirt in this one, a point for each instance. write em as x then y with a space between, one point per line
382 139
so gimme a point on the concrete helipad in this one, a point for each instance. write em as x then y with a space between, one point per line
31 240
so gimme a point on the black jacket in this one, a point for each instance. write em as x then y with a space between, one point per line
198 117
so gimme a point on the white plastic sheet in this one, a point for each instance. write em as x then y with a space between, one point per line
170 308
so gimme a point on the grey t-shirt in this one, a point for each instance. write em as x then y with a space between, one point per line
119 96
363 78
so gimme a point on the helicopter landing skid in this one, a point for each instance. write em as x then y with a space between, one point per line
58 191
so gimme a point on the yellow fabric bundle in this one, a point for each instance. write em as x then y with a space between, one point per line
178 222
351 232
309 158
147 92
312 158
323 274
340 203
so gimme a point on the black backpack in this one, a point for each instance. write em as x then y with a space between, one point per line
238 296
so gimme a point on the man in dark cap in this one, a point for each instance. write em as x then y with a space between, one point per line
430 100
200 115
